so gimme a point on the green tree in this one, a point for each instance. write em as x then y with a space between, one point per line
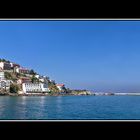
8 75
32 72
8 61
53 88
34 79
11 76
14 88
3 60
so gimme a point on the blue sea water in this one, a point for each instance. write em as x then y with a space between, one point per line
70 108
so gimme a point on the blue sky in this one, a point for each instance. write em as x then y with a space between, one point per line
95 55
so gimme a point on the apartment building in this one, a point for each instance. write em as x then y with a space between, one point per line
35 88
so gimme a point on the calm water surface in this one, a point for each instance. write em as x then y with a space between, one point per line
70 107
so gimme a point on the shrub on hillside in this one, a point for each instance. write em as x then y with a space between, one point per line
14 88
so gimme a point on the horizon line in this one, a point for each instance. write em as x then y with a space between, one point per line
108 19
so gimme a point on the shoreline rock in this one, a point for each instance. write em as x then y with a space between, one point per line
44 94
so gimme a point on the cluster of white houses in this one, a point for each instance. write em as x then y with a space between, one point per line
25 82
27 86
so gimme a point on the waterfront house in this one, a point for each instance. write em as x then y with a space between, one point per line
35 88
60 86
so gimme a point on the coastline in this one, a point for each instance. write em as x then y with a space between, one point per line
68 94
47 94
73 93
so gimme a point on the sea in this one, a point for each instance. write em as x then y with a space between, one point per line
70 107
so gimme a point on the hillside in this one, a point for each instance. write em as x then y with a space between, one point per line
16 79
17 75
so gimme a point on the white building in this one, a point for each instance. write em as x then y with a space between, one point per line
2 76
35 88
42 80
16 69
37 76
2 65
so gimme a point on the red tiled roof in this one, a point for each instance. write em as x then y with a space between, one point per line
59 84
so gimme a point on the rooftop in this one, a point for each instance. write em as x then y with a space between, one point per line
61 85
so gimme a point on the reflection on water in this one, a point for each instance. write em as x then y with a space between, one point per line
22 100
42 107
42 101
59 106
71 107
2 108
21 107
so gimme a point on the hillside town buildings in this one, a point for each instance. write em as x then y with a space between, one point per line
5 66
13 67
21 70
24 70
24 78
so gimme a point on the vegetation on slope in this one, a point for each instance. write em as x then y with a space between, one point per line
3 60
11 76
14 88
14 76
53 88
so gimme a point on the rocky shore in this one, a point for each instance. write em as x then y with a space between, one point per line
72 93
